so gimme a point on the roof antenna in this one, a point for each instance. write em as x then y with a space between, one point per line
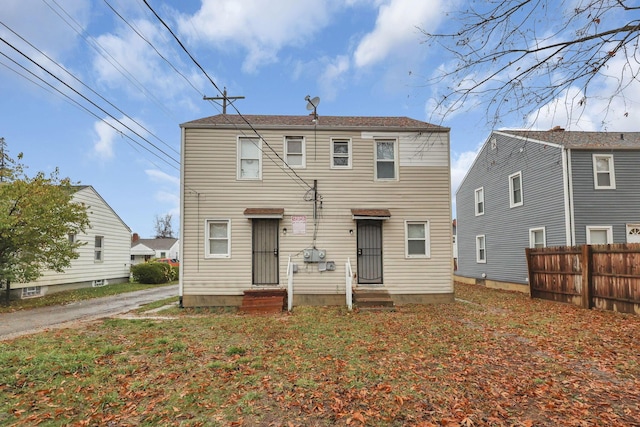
312 104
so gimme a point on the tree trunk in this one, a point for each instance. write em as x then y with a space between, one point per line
8 293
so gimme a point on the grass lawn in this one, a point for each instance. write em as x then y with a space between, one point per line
492 358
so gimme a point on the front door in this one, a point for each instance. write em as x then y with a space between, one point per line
265 251
370 252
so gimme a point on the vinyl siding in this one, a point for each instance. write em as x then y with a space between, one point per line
615 207
211 191
506 229
116 247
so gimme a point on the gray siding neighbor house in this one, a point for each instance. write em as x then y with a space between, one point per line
545 188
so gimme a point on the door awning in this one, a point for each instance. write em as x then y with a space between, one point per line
379 214
273 213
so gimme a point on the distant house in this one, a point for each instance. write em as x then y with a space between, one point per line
142 250
103 259
268 200
545 188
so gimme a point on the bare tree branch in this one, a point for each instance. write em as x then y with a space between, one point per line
516 56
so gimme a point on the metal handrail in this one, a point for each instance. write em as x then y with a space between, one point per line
349 284
289 285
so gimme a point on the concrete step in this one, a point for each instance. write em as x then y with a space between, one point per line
373 300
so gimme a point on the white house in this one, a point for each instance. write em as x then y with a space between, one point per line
142 250
103 259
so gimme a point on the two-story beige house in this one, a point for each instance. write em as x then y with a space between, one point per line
316 206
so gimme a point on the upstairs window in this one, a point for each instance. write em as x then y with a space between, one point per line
515 189
98 249
603 173
294 151
386 160
249 158
479 201
341 154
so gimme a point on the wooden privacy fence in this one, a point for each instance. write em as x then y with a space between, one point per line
602 276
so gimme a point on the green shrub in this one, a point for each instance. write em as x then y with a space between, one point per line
151 273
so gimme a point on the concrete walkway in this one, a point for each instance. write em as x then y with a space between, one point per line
24 322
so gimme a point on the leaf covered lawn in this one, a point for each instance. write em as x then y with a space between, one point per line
492 358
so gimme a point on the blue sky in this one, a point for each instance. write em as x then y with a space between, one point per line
361 57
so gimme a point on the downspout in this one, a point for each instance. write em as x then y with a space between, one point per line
567 178
182 257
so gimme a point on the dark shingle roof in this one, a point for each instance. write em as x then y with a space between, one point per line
324 122
156 244
583 140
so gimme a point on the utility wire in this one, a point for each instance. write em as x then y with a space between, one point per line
107 56
89 88
154 48
82 107
221 92
88 100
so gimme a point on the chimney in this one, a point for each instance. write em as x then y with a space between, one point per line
135 238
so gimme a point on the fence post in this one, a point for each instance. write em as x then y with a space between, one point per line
587 282
527 252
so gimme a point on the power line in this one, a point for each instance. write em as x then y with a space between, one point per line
221 92
152 47
87 99
89 88
107 56
86 109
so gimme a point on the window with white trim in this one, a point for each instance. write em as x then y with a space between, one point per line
481 249
603 172
31 291
386 155
599 234
98 249
417 239
537 238
515 189
249 158
341 154
218 238
294 151
479 197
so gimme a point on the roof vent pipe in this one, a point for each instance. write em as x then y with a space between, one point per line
622 136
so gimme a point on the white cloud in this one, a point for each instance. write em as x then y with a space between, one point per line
262 28
331 79
396 30
596 111
103 146
42 27
158 176
167 190
130 62
109 130
460 164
